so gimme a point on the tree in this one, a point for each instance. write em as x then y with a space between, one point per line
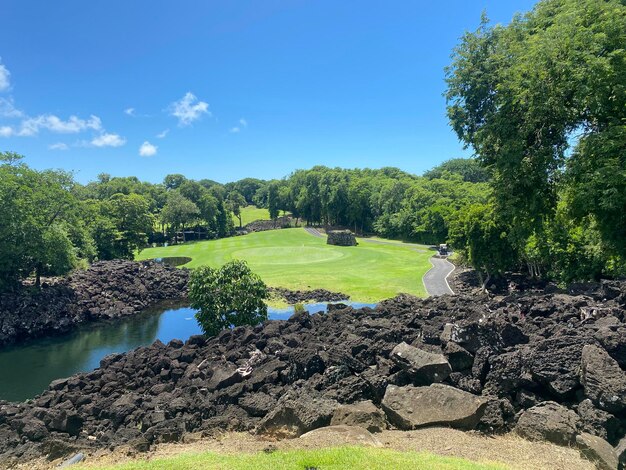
36 209
178 211
235 202
173 181
469 168
133 221
273 202
227 297
484 240
524 94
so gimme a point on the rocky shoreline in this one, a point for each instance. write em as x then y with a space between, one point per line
107 289
547 365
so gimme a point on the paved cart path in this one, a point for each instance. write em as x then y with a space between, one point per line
436 280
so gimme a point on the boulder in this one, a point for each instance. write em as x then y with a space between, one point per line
295 415
555 363
603 379
422 367
413 407
343 435
363 414
458 357
598 422
598 451
549 421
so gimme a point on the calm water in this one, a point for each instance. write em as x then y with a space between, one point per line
26 370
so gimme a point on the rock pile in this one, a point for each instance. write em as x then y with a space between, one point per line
108 289
341 238
300 296
263 225
550 366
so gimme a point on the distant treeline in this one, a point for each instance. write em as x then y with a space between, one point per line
52 224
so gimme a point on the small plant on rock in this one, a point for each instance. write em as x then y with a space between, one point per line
227 297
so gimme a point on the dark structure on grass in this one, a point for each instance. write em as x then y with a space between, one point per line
341 238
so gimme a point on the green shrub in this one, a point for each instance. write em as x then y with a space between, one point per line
228 296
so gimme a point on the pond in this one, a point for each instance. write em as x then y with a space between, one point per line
27 369
173 260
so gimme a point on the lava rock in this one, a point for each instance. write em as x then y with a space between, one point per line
603 379
549 421
598 451
423 367
413 407
363 414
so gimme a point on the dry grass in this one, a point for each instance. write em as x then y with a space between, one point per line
510 450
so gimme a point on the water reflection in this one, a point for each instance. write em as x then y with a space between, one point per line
26 370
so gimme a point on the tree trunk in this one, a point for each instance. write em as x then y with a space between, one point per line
184 240
38 275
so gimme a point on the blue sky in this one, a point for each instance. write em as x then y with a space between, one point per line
225 90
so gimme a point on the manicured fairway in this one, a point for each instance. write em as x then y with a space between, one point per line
294 259
354 458
250 214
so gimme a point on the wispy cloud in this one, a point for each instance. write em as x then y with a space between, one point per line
242 124
147 149
108 140
8 109
161 135
6 131
130 111
58 146
188 109
72 125
5 82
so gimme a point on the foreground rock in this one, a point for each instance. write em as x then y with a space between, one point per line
597 450
343 435
549 421
421 366
108 289
413 407
603 380
517 362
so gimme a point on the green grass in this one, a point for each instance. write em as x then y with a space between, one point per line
294 259
357 458
250 214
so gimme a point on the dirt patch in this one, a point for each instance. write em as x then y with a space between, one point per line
510 450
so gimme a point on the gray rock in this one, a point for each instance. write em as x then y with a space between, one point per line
598 451
620 451
549 421
458 357
603 379
413 407
598 422
364 414
422 366
295 415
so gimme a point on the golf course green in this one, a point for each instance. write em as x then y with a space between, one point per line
295 259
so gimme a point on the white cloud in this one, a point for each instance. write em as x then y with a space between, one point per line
108 140
73 125
242 125
8 109
58 146
161 135
188 109
147 149
5 82
130 111
6 131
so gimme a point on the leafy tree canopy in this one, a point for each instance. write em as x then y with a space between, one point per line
227 297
